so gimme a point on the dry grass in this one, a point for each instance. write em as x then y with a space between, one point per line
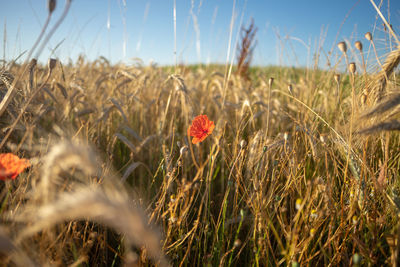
378 86
282 180
229 200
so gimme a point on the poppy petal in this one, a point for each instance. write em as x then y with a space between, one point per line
201 128
11 166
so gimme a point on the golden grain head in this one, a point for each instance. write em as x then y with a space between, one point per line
342 47
364 98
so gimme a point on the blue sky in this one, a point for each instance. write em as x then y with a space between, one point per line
289 31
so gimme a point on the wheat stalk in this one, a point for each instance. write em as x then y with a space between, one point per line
378 85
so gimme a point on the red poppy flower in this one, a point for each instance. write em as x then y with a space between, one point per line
201 128
11 165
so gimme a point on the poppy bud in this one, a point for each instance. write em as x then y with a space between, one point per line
51 63
368 36
352 67
342 47
337 78
51 5
359 46
270 81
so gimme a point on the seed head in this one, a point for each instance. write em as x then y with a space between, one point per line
356 258
51 5
32 66
237 243
337 78
385 27
286 136
342 47
290 88
368 36
243 144
270 81
352 67
359 46
322 138
183 150
364 98
51 63
33 63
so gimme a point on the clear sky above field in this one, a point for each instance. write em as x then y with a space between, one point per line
289 31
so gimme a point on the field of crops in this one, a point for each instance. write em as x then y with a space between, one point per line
109 164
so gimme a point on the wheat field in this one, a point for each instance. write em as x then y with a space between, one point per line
301 169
